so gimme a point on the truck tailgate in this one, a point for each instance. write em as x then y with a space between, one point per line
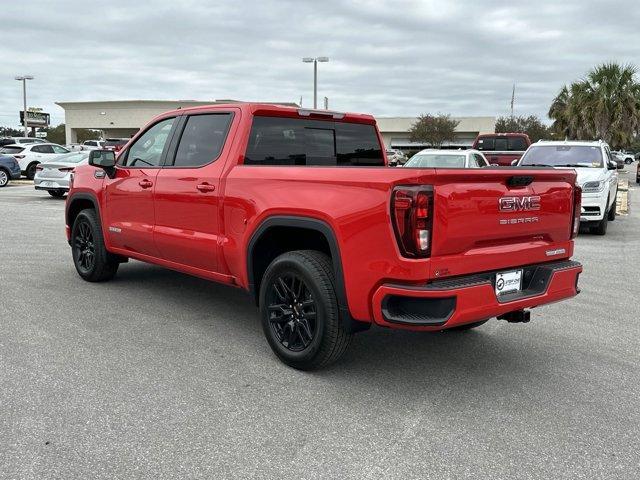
501 217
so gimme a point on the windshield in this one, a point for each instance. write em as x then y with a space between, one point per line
563 156
435 160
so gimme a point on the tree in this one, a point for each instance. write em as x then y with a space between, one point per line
604 105
57 134
531 125
10 132
433 129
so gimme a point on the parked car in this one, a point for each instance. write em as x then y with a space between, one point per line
114 144
54 175
623 158
29 155
296 207
502 148
75 147
597 176
9 170
19 140
93 144
395 157
431 158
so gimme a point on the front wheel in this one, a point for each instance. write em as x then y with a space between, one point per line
4 178
299 310
90 257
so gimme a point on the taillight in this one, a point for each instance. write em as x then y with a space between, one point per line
66 169
412 216
19 157
577 208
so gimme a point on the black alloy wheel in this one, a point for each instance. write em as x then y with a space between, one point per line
292 311
84 247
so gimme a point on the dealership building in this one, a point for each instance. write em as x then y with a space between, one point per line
123 118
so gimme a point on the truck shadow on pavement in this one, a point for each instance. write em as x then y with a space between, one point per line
377 358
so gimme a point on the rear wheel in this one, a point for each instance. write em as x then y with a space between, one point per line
299 310
56 193
90 257
601 227
4 178
31 170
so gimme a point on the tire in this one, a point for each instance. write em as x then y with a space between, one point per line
4 178
56 193
31 170
307 335
90 257
468 326
611 216
601 227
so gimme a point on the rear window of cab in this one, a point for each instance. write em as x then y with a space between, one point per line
303 142
502 143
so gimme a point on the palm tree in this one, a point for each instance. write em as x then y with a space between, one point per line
605 104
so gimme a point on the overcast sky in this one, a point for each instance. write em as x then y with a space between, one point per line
387 58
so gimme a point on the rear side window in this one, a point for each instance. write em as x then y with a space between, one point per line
517 144
202 139
290 141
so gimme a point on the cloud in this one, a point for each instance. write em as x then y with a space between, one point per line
387 58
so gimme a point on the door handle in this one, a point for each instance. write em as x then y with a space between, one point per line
205 187
145 183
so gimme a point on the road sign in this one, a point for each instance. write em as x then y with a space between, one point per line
35 119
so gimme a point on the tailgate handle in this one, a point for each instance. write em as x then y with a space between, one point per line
519 181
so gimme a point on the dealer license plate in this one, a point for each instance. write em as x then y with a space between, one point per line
508 282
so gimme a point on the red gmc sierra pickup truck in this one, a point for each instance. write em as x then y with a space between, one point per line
298 208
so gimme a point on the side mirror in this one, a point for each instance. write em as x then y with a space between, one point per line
102 158
514 162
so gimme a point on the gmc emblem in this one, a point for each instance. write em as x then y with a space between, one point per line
519 204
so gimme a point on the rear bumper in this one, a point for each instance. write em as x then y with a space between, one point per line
449 303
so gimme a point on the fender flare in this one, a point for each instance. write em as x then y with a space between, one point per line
349 323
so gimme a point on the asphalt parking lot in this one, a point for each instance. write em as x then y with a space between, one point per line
160 375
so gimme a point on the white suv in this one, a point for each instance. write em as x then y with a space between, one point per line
29 155
597 175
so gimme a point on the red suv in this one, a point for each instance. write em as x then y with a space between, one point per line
296 207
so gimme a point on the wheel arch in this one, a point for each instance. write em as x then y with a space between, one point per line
76 203
273 228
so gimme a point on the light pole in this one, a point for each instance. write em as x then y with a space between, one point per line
24 79
315 75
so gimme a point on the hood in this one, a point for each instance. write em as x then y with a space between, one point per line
587 174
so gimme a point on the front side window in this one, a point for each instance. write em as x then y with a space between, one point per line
202 139
42 149
147 150
290 141
480 162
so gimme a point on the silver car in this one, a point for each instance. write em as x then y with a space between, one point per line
54 175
